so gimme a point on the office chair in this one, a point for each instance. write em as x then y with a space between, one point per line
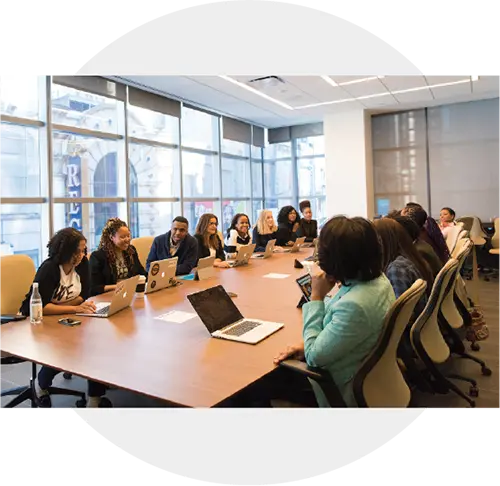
453 236
17 274
429 343
379 381
143 246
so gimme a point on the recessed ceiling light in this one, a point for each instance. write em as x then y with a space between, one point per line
440 85
362 80
474 78
314 105
329 80
373 95
257 92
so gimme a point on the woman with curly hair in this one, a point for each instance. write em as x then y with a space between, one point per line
288 225
64 285
115 259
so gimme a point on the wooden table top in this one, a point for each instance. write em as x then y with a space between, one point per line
179 363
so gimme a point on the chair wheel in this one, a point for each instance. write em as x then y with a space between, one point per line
474 391
82 403
475 347
486 371
67 376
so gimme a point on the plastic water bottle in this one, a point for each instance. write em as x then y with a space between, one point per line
36 306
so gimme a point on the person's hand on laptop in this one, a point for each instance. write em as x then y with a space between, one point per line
321 286
295 351
278 249
87 307
221 264
290 243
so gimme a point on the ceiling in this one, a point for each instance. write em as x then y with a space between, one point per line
282 100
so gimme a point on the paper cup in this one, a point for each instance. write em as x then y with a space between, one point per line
141 287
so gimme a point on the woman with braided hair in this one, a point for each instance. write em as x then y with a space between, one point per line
115 259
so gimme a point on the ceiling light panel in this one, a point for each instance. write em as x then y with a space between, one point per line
317 87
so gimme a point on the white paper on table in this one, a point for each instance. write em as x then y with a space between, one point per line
276 275
176 316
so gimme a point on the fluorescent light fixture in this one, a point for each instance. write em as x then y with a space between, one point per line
362 80
377 95
314 105
474 78
255 91
440 85
329 80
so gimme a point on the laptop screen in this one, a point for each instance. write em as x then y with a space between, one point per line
215 308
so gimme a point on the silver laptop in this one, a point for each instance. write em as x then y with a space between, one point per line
223 319
244 254
122 298
268 252
161 274
310 244
205 268
296 246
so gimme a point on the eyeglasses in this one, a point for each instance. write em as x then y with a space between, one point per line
213 224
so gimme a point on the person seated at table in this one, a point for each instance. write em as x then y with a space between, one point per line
429 231
425 250
238 234
287 226
175 243
402 263
64 286
308 227
115 259
446 221
340 333
209 243
264 231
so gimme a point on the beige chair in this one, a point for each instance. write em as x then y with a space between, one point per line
452 237
429 343
18 272
143 245
495 239
380 382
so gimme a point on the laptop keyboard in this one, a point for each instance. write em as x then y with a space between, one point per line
102 310
242 328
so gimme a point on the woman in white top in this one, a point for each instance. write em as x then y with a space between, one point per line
64 285
209 243
238 234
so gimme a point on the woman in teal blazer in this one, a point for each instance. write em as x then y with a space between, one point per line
340 332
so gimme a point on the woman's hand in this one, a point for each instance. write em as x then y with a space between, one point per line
221 264
290 243
321 286
295 227
296 352
87 307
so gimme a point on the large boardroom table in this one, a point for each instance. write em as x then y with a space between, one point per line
179 363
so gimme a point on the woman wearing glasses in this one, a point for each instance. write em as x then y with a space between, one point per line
64 286
209 243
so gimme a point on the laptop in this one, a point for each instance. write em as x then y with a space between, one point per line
223 319
205 268
308 244
122 298
243 256
268 252
314 256
296 246
161 274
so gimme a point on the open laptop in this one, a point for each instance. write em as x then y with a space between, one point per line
205 268
161 274
296 246
308 244
223 319
243 256
122 298
314 256
268 252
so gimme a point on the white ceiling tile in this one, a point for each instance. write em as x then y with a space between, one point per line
445 92
318 88
365 88
485 84
378 101
347 79
395 83
414 96
431 80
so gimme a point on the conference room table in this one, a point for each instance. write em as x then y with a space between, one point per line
179 363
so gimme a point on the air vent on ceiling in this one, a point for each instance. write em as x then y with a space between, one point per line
266 81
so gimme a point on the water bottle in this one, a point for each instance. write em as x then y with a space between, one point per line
36 306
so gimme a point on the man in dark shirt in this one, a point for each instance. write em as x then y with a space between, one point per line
175 243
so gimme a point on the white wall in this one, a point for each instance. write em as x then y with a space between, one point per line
349 165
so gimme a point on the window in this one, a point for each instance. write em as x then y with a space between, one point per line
194 209
153 218
23 152
150 125
200 130
229 209
200 174
88 166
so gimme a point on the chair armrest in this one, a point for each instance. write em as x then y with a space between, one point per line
301 367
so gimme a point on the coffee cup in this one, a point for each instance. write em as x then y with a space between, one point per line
141 287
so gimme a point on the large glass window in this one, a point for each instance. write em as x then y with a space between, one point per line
23 153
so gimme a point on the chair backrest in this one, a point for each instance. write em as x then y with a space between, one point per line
452 237
379 382
466 222
462 240
495 239
448 306
426 336
17 274
143 245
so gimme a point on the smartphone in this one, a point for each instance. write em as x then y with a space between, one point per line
305 284
69 322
